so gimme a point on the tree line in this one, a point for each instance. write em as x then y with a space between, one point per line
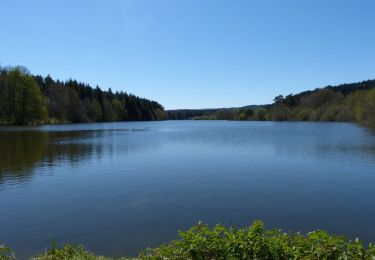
353 102
33 99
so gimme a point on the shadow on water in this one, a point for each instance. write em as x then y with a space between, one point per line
23 151
20 151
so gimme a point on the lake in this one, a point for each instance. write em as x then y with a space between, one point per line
120 187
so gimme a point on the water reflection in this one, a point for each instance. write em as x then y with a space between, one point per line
25 149
22 152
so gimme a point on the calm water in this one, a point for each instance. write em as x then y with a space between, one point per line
121 187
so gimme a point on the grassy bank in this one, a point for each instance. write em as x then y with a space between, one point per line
219 242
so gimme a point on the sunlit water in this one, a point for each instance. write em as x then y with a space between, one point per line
120 187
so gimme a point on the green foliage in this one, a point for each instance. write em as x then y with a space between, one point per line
21 101
353 102
242 116
327 105
201 242
68 252
183 114
27 99
260 114
367 108
6 253
220 242
345 103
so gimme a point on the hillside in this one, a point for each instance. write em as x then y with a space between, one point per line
207 113
354 102
33 99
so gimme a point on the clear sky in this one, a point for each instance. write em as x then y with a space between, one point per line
193 53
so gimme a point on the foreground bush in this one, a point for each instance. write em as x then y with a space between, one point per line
201 242
255 242
69 252
6 253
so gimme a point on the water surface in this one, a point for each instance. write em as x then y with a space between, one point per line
120 187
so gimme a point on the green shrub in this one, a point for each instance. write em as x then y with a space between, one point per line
6 253
200 242
68 252
255 242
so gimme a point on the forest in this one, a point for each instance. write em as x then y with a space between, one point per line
32 99
353 102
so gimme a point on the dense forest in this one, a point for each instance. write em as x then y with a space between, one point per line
353 102
33 99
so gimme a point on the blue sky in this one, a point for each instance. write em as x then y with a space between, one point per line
193 53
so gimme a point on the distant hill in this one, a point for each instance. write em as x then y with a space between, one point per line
205 113
344 89
353 102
